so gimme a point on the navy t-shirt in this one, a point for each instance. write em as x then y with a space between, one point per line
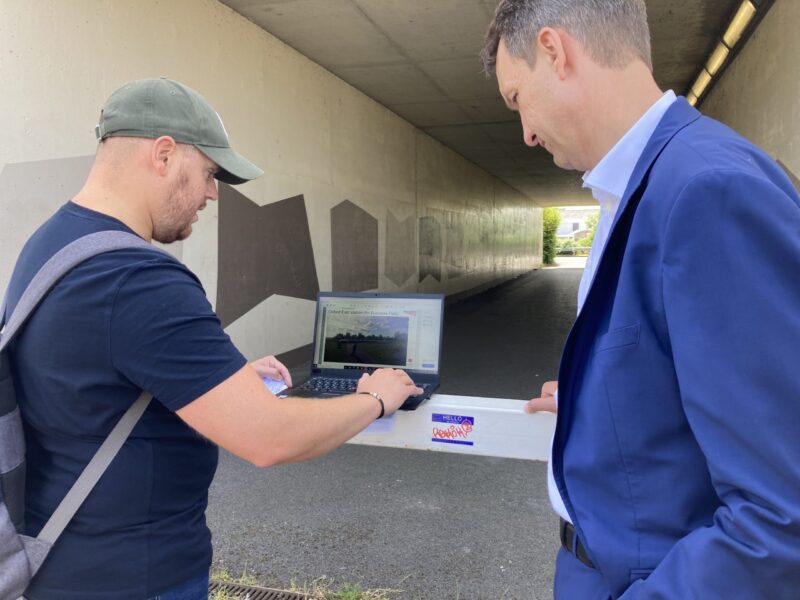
119 323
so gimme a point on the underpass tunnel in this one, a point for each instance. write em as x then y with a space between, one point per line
391 161
391 164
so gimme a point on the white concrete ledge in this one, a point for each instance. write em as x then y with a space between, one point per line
466 425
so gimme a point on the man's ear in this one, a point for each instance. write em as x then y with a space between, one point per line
552 48
163 152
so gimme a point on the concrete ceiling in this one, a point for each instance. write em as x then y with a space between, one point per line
419 58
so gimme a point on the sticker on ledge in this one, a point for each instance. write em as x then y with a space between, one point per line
452 429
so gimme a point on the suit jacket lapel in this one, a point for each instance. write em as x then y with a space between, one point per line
581 337
678 116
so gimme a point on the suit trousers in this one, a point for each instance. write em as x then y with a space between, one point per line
575 581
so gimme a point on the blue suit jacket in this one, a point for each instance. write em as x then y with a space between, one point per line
677 448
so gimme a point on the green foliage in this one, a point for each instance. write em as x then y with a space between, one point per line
325 589
348 592
222 574
565 245
551 221
592 220
591 224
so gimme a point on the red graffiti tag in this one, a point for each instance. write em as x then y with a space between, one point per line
453 432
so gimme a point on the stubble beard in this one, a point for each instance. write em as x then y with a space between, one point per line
175 222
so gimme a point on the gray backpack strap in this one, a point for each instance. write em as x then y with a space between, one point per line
93 471
59 265
53 270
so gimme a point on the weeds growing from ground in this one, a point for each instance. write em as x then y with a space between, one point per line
319 589
325 589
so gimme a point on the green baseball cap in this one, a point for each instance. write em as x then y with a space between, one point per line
150 108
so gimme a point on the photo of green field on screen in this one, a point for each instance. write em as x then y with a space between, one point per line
370 340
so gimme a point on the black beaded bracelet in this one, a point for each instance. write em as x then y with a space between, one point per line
379 399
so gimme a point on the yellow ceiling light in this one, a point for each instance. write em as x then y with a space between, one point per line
717 58
691 99
701 83
740 21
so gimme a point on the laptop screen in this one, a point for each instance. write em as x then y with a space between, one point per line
363 331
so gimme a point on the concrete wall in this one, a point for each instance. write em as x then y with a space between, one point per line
759 94
353 197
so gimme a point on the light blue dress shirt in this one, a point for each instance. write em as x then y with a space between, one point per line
608 181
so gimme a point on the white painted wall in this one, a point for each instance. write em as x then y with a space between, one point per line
759 94
312 133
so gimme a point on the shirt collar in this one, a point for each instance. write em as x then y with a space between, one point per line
610 176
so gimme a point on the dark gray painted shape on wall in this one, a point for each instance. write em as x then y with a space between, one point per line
400 260
263 250
430 248
297 356
354 248
792 177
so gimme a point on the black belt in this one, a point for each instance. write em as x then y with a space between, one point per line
567 534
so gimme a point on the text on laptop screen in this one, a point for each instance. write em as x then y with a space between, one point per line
378 332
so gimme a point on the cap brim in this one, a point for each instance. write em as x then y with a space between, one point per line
234 168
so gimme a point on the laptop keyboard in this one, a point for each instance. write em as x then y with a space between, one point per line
330 385
339 386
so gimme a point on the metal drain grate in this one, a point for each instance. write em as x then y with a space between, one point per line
249 592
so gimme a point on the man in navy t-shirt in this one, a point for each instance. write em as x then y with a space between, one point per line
133 320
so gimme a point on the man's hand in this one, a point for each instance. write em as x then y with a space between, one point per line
271 367
392 385
546 402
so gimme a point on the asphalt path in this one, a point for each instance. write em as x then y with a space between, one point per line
429 525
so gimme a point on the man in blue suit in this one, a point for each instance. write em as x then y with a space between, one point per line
676 457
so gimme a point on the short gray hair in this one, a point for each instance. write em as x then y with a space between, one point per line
613 31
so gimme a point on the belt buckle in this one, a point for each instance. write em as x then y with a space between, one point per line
572 543
564 535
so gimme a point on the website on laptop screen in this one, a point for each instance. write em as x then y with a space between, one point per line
358 333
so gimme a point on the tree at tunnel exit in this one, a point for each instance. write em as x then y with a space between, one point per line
552 219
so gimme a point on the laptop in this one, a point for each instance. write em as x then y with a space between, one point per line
357 332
